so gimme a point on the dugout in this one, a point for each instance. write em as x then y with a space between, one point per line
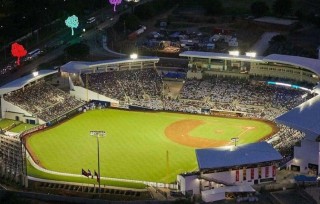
227 113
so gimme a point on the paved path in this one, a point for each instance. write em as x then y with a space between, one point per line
263 43
155 194
314 192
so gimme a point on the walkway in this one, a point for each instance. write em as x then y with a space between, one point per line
263 43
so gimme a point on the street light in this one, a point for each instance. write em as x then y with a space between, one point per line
98 134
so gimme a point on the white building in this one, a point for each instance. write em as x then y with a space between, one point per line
306 118
230 170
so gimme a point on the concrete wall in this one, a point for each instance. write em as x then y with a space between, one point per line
308 152
191 75
189 183
83 94
229 177
10 111
7 106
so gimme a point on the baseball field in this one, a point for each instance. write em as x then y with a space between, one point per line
137 143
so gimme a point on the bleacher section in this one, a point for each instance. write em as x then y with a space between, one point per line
43 100
133 84
255 98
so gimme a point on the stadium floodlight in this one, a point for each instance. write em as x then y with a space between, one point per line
97 134
35 74
133 56
235 140
251 54
234 53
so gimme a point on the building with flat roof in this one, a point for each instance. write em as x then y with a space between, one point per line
230 169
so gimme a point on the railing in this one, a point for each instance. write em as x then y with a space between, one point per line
148 183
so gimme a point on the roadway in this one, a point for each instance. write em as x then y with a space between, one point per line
107 18
92 37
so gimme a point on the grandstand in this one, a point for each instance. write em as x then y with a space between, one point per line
215 84
32 100
84 78
295 68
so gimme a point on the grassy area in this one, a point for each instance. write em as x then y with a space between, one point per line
4 123
21 127
135 145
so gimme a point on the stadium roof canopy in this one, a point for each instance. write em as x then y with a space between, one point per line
21 82
305 117
213 158
77 66
221 56
303 62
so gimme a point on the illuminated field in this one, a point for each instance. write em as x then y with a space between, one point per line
136 143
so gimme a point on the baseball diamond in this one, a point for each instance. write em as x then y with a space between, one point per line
136 142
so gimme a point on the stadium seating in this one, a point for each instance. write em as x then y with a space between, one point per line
43 100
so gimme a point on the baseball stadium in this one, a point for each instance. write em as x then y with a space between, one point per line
137 122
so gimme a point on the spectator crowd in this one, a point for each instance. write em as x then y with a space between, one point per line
43 100
127 84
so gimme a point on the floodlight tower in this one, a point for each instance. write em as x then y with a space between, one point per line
98 134
235 140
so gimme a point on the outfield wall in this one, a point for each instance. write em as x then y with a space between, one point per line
148 183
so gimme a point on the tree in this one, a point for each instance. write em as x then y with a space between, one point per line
212 7
278 39
18 51
282 7
77 51
145 11
259 8
72 22
115 3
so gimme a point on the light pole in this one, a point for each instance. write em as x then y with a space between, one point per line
98 134
235 140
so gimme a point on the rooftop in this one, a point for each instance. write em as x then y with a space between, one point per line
305 117
303 62
213 158
21 82
77 66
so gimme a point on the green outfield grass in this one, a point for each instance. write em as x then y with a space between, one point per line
22 127
4 123
135 146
